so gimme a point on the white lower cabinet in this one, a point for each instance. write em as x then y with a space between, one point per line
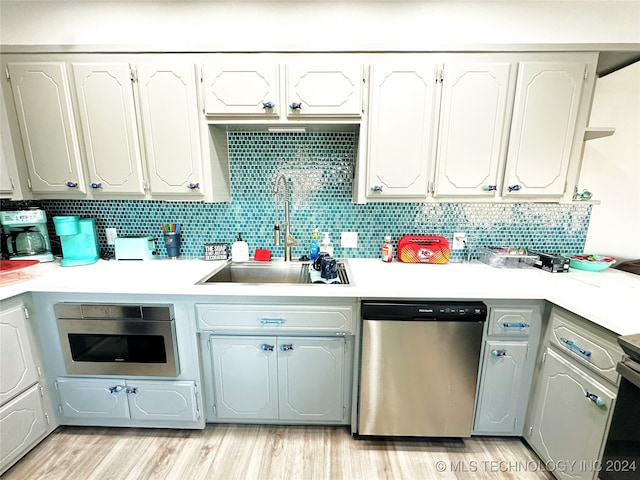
92 399
570 416
268 378
506 367
22 424
573 395
503 369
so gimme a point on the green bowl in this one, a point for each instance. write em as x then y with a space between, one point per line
590 266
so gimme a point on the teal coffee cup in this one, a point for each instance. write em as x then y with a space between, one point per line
172 242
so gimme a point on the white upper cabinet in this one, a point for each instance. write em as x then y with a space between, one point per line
45 116
543 127
108 120
251 87
402 115
241 90
319 91
472 127
171 130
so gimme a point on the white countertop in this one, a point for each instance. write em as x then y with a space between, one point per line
609 298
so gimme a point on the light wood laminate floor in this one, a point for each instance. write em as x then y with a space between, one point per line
225 452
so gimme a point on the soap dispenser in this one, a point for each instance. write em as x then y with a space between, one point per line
314 248
325 244
239 250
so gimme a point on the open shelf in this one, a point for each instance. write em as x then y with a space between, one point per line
591 133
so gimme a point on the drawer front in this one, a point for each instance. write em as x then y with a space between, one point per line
511 321
598 351
272 318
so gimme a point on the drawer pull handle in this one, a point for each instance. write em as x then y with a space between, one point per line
296 106
132 390
272 321
515 325
490 188
286 347
514 188
193 186
116 389
266 105
594 398
498 353
95 185
377 188
575 348
71 184
266 348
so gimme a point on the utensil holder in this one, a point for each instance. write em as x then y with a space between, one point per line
172 242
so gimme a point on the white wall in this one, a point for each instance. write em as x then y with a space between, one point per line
611 166
317 25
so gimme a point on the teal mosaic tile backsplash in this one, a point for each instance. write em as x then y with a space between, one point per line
320 166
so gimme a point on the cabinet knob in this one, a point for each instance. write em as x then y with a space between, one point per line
266 348
377 188
116 389
490 188
95 185
514 188
286 347
193 186
71 184
132 390
295 106
498 353
266 105
594 398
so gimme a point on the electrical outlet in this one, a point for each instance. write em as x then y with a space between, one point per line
111 234
349 240
459 241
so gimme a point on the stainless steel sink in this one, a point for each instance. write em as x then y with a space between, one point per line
293 273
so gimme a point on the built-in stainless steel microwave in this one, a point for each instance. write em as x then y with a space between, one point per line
100 339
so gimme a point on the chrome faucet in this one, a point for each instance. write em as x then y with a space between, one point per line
281 187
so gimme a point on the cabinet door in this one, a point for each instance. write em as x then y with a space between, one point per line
172 401
45 115
22 423
231 90
499 396
170 123
92 398
245 377
18 368
324 90
542 129
566 424
402 117
310 375
472 128
109 127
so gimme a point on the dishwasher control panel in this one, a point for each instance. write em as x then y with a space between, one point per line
441 310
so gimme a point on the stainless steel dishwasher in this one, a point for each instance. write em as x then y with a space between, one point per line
419 368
